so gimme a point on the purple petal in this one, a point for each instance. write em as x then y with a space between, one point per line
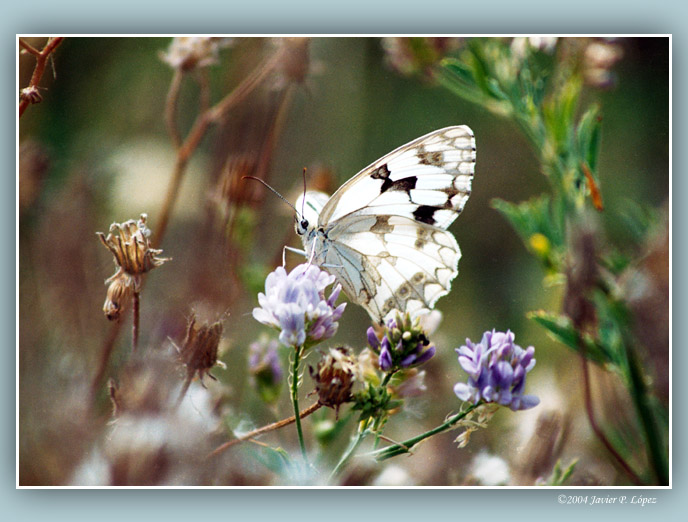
373 341
426 355
385 360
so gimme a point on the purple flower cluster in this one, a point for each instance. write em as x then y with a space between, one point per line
295 304
404 345
497 371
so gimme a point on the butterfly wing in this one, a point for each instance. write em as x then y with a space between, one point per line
428 180
386 226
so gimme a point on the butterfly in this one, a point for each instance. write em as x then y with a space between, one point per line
383 234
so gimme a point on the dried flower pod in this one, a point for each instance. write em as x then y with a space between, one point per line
200 348
129 243
334 377
118 295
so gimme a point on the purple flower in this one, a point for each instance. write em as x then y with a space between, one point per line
295 304
403 345
385 355
265 368
263 359
496 369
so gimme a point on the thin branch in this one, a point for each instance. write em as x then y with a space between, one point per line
41 60
28 47
593 423
171 108
198 130
265 429
105 353
249 84
204 85
135 324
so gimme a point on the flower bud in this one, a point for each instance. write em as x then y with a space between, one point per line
334 378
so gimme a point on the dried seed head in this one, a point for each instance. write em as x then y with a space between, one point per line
129 243
118 295
187 53
200 347
31 94
232 190
295 58
334 377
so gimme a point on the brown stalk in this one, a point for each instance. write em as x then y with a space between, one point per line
199 128
105 357
135 325
185 148
593 422
41 61
265 429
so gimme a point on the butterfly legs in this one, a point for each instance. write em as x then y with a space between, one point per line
297 251
291 249
305 254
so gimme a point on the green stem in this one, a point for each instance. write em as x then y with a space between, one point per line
295 398
362 432
380 421
404 447
639 393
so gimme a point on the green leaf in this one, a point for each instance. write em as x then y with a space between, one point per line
559 476
562 330
537 222
588 134
639 220
462 73
480 66
458 78
276 459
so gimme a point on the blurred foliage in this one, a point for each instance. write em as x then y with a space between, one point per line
522 81
97 150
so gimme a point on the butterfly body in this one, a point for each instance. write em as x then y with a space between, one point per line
383 233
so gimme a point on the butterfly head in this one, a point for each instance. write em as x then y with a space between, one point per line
301 225
308 208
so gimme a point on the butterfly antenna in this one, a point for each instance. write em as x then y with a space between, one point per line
303 200
273 191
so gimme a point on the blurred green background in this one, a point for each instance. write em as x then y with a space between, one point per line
97 151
